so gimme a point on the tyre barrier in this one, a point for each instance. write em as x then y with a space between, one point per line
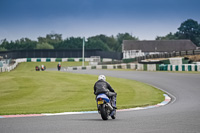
116 66
182 67
143 67
63 59
56 59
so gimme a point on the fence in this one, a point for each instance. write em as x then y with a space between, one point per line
11 67
64 53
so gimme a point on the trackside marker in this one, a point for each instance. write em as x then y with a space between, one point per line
166 101
28 115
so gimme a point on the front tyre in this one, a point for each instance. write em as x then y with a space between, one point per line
104 112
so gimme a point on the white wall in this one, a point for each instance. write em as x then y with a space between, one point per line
132 54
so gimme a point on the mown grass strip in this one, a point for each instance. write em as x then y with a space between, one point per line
25 91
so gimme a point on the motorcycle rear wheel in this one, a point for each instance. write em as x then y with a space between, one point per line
104 112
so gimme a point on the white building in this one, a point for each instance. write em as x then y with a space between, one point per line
132 48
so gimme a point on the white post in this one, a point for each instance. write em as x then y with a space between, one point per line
83 51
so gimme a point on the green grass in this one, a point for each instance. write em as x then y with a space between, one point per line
30 66
25 91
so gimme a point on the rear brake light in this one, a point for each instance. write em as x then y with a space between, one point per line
100 99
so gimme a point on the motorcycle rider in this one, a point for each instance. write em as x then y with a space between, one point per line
59 66
101 86
42 67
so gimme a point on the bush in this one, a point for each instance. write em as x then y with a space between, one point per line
44 46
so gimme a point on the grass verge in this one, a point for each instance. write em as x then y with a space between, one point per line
25 91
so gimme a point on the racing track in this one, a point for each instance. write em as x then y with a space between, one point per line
182 115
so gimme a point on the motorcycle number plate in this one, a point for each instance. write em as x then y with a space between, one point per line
100 102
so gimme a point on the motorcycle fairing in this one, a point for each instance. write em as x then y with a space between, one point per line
104 97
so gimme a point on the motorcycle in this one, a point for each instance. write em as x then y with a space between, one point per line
43 67
104 107
37 68
59 67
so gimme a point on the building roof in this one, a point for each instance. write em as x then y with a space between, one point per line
159 45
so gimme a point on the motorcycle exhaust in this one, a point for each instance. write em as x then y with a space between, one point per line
109 106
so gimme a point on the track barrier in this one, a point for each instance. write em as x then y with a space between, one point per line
132 66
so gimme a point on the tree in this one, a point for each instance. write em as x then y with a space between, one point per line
109 42
95 43
25 43
121 37
53 39
3 49
169 36
8 45
190 29
44 46
72 42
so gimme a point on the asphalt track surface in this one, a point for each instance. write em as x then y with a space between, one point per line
181 115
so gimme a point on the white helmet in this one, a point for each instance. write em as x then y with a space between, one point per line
102 77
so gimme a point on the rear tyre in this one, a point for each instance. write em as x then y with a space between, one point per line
104 113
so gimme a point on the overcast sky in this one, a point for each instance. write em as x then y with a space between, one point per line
144 19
